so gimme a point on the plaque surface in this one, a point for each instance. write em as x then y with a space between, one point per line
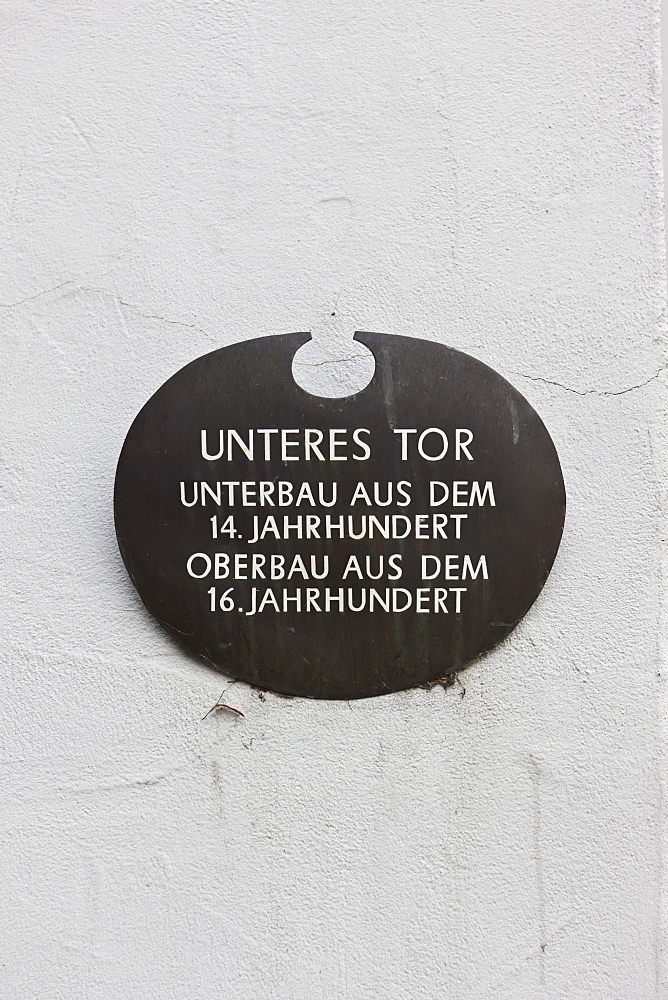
338 548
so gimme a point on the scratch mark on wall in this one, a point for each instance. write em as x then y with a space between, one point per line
80 134
538 861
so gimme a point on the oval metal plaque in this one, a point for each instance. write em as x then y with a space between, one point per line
338 548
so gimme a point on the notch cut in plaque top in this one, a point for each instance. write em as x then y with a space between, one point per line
333 369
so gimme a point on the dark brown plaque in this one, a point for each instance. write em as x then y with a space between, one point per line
338 548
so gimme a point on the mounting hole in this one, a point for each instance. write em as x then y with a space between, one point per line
333 370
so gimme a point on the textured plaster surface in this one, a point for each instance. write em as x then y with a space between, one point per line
179 176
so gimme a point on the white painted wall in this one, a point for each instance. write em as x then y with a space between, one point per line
176 176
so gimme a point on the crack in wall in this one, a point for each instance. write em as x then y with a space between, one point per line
76 287
37 295
317 364
592 392
333 361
